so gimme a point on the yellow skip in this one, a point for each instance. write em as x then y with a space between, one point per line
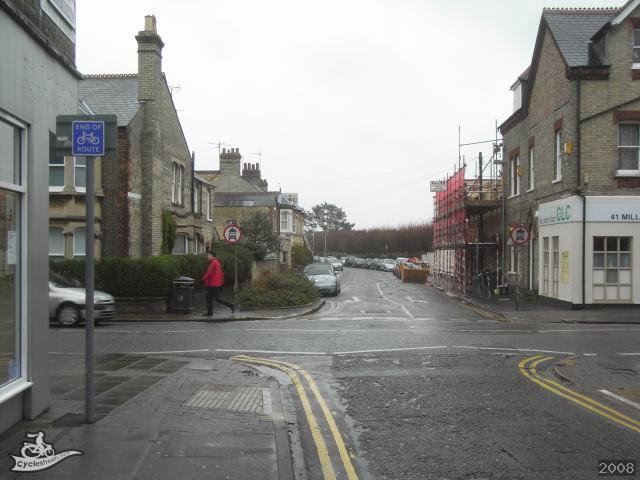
527 368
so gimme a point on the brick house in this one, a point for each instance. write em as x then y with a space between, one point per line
151 172
572 153
240 193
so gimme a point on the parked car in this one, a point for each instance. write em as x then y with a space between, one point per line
323 277
67 302
358 262
388 265
335 263
343 260
370 263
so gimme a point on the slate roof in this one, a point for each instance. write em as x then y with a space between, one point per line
111 94
572 29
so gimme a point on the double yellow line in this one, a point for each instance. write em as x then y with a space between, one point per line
528 367
321 447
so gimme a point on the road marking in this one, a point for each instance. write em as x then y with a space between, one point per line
287 330
337 437
390 350
629 354
514 349
395 303
620 398
527 368
321 446
496 330
248 350
355 299
168 351
358 330
362 311
592 330
148 331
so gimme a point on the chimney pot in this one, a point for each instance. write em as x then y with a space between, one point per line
150 23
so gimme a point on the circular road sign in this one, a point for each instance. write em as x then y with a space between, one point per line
232 233
520 235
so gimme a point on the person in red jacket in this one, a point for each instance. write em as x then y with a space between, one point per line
213 280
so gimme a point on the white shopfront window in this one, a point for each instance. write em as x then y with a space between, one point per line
611 249
12 284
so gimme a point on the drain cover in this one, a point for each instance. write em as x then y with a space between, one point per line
229 397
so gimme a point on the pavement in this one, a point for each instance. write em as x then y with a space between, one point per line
220 314
503 308
162 417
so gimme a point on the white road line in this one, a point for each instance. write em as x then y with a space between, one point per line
147 331
268 351
355 299
167 351
288 330
629 354
497 330
395 303
390 350
591 330
508 349
590 354
620 398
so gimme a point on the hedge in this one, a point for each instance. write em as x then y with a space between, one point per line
278 290
152 276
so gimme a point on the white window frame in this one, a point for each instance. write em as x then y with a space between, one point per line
21 383
605 284
629 172
174 167
545 265
208 204
176 188
558 156
75 166
186 244
57 188
196 197
635 65
285 221
555 266
61 252
76 253
531 168
515 178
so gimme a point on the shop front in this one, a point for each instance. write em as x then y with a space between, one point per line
599 236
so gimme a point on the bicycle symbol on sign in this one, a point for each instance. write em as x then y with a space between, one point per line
38 449
87 137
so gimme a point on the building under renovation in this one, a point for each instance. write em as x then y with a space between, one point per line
466 229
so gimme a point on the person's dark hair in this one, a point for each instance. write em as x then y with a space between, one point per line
211 252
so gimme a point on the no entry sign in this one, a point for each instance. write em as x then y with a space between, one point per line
232 233
520 234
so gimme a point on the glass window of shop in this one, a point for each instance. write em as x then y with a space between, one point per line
11 193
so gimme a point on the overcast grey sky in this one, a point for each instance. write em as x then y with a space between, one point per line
352 102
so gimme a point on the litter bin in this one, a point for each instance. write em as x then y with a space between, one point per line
181 295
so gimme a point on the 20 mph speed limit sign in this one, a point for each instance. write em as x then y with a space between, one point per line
232 233
520 234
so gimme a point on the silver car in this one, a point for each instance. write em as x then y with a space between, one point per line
324 277
335 263
67 302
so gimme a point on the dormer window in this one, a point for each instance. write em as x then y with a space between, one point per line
517 95
636 48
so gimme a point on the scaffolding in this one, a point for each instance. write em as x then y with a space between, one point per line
467 219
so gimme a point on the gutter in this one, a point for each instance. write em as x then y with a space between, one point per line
580 189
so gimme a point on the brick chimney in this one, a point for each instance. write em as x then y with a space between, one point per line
149 59
230 160
251 173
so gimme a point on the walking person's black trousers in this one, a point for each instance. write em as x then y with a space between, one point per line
213 293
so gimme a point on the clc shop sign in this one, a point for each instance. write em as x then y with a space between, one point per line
599 209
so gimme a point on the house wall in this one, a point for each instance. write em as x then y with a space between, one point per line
599 134
34 87
553 100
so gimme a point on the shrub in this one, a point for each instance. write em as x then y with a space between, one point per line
301 256
152 276
278 290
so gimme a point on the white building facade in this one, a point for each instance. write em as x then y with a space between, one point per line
602 269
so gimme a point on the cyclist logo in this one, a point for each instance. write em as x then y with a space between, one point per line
38 455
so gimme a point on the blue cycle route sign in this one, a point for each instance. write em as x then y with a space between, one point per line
87 138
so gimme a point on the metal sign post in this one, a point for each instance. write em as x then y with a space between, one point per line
232 234
520 236
87 136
